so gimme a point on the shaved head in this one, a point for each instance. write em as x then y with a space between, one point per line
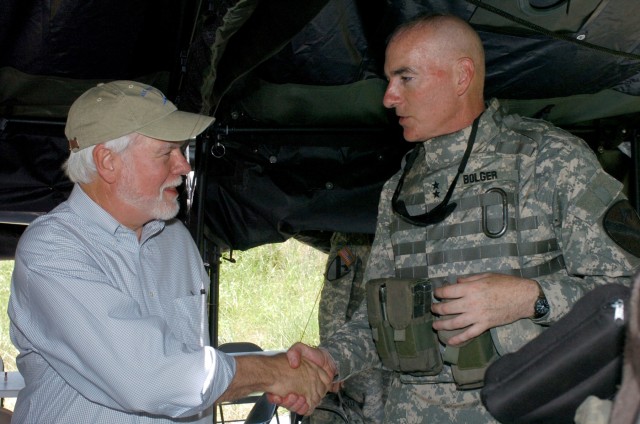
446 37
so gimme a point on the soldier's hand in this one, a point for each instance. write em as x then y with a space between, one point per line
483 301
318 356
273 374
296 355
303 387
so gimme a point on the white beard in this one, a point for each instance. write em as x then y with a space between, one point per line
158 207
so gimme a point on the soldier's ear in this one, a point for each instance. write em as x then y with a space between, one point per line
105 162
465 71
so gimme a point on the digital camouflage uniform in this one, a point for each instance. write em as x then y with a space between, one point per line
362 397
555 195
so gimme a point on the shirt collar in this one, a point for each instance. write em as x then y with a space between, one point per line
448 149
85 207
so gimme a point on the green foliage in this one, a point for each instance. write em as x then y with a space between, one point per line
7 350
269 296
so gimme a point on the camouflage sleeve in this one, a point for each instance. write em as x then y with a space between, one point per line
352 346
579 193
343 291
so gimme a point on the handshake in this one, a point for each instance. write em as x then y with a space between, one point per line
297 380
309 377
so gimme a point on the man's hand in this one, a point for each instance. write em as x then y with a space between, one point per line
308 382
298 354
483 301
318 356
306 385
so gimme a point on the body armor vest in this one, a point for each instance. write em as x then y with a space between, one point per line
498 226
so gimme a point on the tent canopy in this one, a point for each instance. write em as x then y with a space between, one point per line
302 144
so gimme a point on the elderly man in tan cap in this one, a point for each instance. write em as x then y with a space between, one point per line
108 293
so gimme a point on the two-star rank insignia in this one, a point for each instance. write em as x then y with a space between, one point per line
436 189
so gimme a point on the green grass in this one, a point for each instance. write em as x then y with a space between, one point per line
7 350
269 295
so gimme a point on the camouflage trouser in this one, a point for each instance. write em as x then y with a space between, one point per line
362 397
435 404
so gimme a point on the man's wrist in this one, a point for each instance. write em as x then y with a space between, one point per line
540 306
331 366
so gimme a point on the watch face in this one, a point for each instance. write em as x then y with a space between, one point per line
541 307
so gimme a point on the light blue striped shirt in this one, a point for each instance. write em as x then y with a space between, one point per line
111 329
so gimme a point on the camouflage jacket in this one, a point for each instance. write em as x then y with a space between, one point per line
556 194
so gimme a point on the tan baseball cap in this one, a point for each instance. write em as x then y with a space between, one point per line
115 109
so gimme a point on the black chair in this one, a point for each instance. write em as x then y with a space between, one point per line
263 411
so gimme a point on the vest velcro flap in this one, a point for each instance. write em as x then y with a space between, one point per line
399 307
593 203
374 309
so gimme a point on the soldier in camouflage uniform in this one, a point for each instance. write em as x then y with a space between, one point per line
533 227
361 397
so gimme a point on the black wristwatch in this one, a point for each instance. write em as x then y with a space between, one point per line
541 307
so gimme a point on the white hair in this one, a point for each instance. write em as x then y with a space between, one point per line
80 167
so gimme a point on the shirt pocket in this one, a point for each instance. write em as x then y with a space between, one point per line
187 319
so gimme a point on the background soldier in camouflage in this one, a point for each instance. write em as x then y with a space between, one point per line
362 396
536 221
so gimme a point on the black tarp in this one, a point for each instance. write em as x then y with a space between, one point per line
296 90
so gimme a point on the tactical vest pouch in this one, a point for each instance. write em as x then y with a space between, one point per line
470 360
401 321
